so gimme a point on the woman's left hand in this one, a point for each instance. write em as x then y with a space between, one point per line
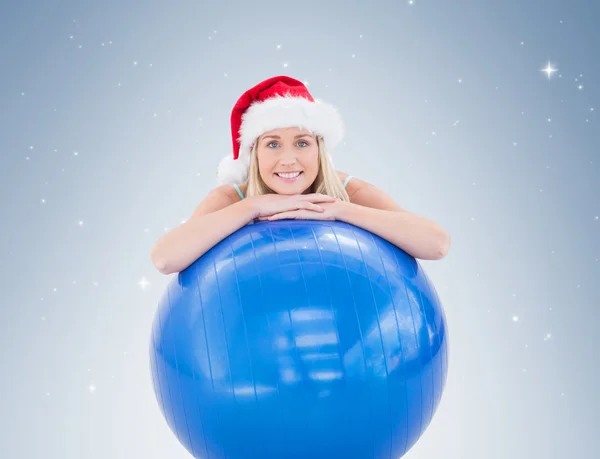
331 212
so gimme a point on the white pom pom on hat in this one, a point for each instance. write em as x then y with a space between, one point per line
278 102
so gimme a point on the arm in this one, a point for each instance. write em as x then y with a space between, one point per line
215 218
375 211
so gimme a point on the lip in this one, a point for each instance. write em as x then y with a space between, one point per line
288 180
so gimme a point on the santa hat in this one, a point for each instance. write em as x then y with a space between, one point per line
279 102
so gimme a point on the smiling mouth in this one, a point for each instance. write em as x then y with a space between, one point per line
288 176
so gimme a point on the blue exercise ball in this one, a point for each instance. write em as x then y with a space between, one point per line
299 339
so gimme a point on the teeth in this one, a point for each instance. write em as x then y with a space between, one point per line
289 174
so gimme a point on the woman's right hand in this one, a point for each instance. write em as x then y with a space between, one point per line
270 204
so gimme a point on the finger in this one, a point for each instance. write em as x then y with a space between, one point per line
283 215
325 197
299 215
318 197
311 206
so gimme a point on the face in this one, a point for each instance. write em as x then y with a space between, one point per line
288 160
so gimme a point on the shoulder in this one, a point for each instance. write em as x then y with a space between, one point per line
225 192
354 185
366 194
218 198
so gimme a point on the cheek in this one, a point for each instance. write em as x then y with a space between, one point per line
311 160
265 162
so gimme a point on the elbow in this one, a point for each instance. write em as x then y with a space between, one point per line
162 268
442 246
159 262
437 249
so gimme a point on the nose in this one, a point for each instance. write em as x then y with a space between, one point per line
288 160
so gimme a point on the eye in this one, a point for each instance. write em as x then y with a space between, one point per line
271 143
303 141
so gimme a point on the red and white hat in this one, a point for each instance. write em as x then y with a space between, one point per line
278 102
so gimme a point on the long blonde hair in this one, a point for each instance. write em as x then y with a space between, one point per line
327 181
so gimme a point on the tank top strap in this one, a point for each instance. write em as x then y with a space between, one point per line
237 188
347 180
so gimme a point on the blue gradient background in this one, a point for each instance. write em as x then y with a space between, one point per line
113 118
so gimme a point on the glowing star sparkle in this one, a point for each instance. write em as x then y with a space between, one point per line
143 283
549 70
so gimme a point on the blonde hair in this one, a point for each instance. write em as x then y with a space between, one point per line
327 181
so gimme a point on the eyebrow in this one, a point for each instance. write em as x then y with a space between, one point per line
277 137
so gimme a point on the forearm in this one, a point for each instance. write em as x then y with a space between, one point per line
416 235
183 245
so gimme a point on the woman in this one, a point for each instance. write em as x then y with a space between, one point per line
281 169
